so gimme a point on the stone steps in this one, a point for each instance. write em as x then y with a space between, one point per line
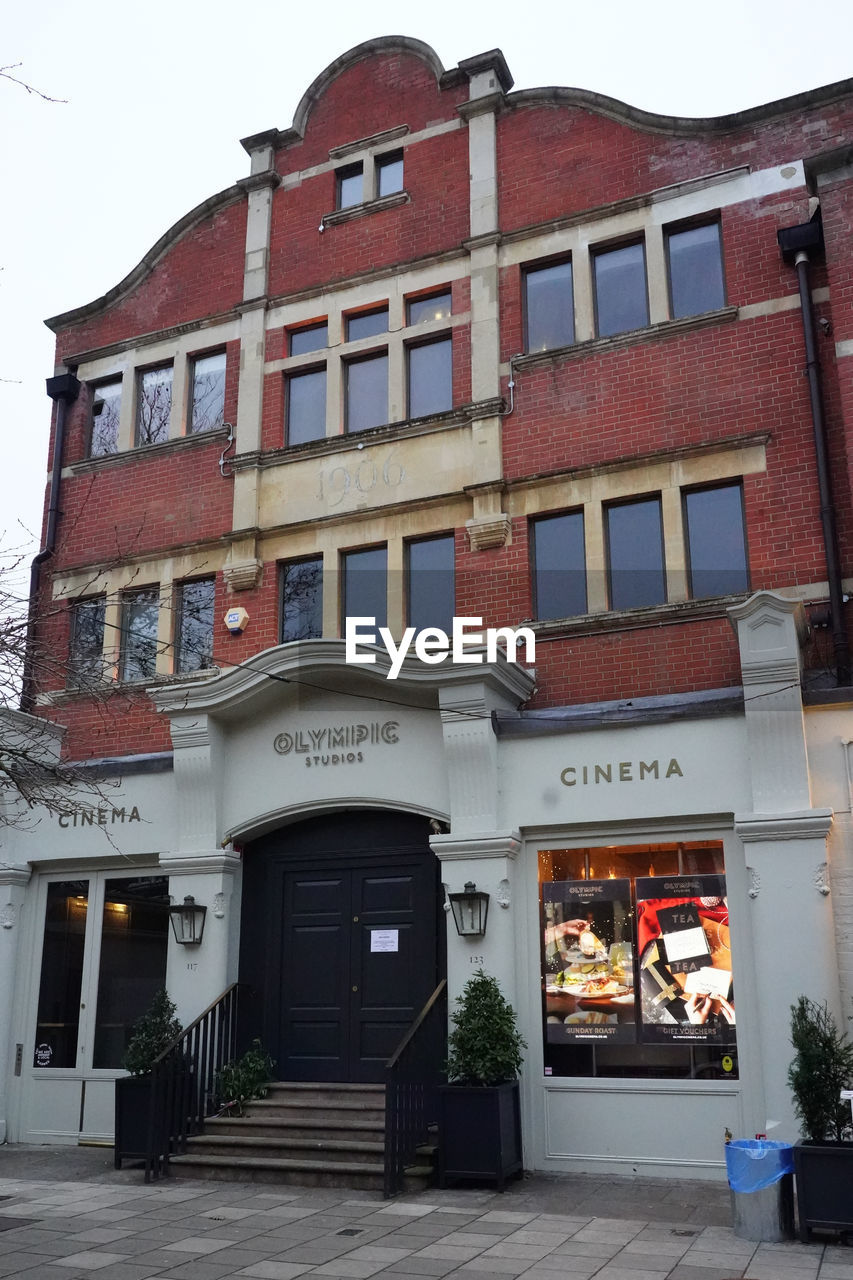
301 1134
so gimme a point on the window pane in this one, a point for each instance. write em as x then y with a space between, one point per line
430 378
389 174
620 290
431 584
435 307
549 307
366 584
134 938
87 641
695 270
635 554
306 406
154 405
367 393
106 408
139 635
559 566
195 625
208 403
61 974
302 600
312 338
628 896
716 541
367 324
350 187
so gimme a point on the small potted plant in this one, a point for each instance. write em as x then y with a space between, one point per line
479 1113
246 1078
823 1161
152 1034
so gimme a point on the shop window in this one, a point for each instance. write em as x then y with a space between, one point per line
208 393
86 650
139 634
58 1018
301 584
635 563
313 337
695 264
153 405
134 941
389 173
430 581
430 370
350 186
559 565
306 406
194 630
367 392
621 300
636 953
106 410
367 324
548 307
365 585
716 541
435 306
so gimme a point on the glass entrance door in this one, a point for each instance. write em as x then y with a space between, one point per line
101 957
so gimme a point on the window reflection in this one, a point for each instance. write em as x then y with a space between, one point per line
134 939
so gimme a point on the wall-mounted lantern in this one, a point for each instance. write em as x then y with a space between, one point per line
470 910
187 920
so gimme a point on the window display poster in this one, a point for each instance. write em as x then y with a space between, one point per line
685 968
589 961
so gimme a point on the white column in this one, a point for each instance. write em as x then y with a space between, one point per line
789 900
478 847
13 884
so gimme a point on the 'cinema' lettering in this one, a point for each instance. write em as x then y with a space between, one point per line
105 817
621 771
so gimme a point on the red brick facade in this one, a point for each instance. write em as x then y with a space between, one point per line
592 422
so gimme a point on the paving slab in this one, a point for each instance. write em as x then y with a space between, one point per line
66 1213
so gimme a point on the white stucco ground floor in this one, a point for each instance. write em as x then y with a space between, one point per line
665 877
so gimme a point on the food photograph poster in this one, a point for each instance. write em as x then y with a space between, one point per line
589 962
685 968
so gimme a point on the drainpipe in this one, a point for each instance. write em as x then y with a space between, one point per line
62 389
795 243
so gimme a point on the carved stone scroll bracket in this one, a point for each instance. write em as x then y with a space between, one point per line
754 882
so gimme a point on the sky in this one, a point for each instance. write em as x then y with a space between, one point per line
155 98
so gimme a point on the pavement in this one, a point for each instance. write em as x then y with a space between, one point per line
65 1214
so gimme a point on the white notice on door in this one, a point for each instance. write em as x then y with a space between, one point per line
384 940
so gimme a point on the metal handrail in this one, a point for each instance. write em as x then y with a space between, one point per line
183 1081
412 1075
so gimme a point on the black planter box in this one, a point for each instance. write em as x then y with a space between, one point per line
824 1174
133 1106
479 1133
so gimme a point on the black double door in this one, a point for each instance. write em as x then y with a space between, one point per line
339 935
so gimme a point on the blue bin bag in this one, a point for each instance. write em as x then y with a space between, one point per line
754 1163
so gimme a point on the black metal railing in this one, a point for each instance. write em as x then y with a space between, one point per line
412 1076
183 1085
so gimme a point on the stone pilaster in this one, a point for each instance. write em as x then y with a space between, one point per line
13 885
785 848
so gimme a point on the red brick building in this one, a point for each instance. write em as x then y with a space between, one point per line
538 358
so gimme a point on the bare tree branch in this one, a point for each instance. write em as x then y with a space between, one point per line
6 74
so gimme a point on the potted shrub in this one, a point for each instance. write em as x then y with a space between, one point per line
823 1162
155 1031
246 1078
479 1114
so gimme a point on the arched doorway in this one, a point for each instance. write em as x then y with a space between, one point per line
341 941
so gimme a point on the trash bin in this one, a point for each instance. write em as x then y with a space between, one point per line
762 1185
